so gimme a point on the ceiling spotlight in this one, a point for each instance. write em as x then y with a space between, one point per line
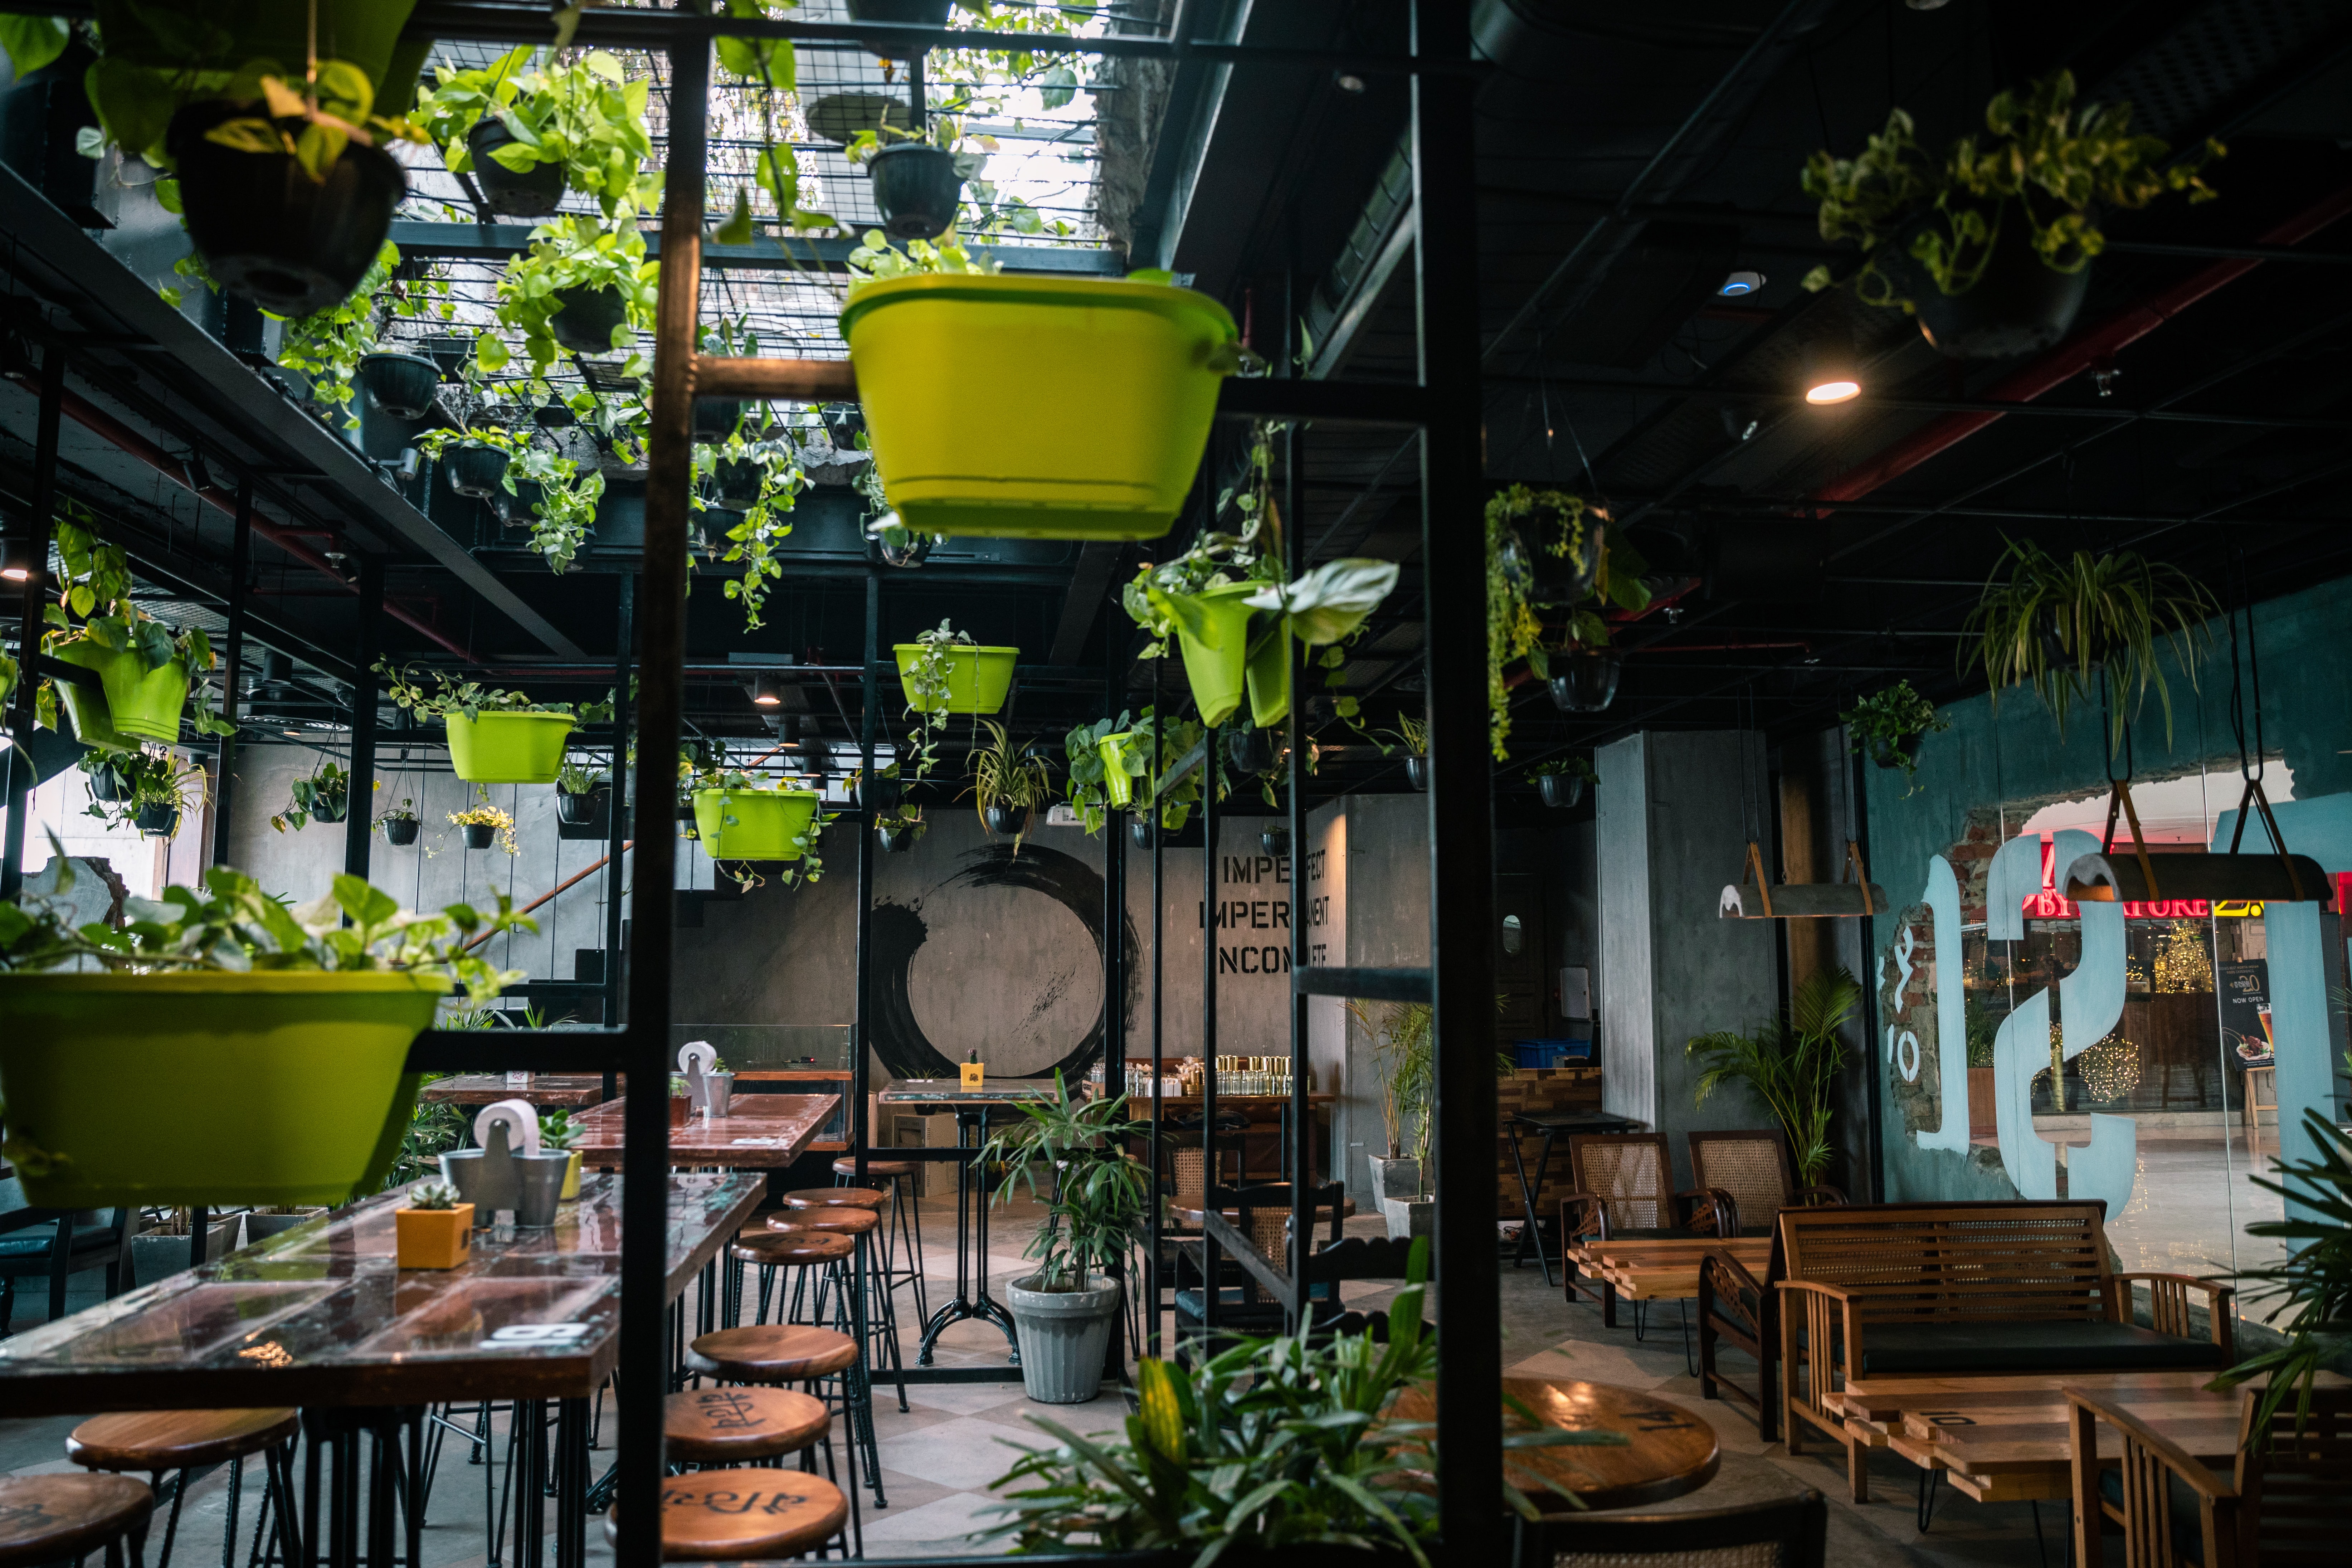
764 691
1831 373
1739 283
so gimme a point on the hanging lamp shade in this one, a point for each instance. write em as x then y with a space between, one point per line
2138 878
1757 899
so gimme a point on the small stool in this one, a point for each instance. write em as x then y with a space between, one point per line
802 1354
47 1519
881 1311
906 1231
188 1441
735 1515
768 1250
718 1426
836 1198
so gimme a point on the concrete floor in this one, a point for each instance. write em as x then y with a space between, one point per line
938 1455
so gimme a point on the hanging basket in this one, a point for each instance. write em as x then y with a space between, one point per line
585 816
876 791
715 419
585 324
979 679
1269 679
1416 771
1217 656
476 470
270 233
507 748
1889 753
1275 841
898 840
1251 750
1560 791
536 192
2018 305
916 189
1119 785
753 824
106 783
400 832
159 821
913 554
1585 682
401 384
520 509
1006 819
269 1086
138 704
735 483
1115 381
924 13
1563 580
477 835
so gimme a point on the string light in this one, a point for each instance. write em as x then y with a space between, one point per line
2182 960
2109 1069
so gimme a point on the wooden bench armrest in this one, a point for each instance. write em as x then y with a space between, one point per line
1595 1223
1710 1207
2167 1296
1823 1191
1726 1285
2174 1457
1838 1293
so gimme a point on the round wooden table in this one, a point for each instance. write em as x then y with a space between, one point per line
1671 1451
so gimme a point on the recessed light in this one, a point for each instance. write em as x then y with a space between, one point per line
1831 373
1739 283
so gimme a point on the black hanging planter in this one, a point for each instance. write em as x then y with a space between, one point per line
266 230
479 834
585 324
1560 791
106 784
715 418
448 351
1006 819
157 821
576 810
1585 682
401 831
1570 579
1883 750
520 508
916 188
2018 305
535 193
897 839
927 12
909 555
403 384
735 483
877 792
1251 750
587 815
333 810
1275 841
1416 768
476 471
1189 836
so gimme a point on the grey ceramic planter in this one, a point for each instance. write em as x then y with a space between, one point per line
1063 1337
1395 1177
1410 1216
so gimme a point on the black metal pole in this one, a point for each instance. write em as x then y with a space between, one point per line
869 687
644 1187
360 811
240 569
1159 1101
1302 1131
616 819
1461 808
37 586
1212 1261
1114 1028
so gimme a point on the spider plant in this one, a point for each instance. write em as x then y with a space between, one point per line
1007 779
2050 624
1791 1064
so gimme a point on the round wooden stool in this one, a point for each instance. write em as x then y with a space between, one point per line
187 1441
742 1425
734 1515
51 1518
902 1240
770 1250
771 1353
824 1222
837 1198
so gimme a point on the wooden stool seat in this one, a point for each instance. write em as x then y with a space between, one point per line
771 1353
50 1518
837 1198
156 1440
732 1515
737 1425
787 1248
824 1222
847 1166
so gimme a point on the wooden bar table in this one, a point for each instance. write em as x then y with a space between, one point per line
1668 1451
775 1135
547 1091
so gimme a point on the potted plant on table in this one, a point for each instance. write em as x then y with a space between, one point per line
1561 779
1887 726
557 1134
481 822
1991 245
180 1063
400 824
1097 1209
1009 782
1792 1064
325 795
434 1230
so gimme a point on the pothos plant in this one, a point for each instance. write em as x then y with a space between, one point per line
482 814
142 778
568 252
94 605
765 524
1085 789
326 795
568 489
876 258
775 169
583 112
472 699
328 346
1554 523
2044 164
926 681
1886 724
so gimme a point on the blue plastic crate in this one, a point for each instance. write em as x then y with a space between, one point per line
1552 1053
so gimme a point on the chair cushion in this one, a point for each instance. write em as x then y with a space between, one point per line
2050 1345
36 1240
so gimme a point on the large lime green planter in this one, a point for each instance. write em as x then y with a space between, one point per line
507 748
1269 679
260 1087
1216 656
1088 423
978 678
140 704
1117 782
753 824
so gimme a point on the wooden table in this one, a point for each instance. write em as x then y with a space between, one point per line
1191 1216
1671 1451
562 1091
1657 1269
776 1133
1551 1124
320 1315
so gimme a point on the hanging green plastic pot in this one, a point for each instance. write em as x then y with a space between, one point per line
267 1086
141 704
1114 381
1117 782
507 748
1213 631
86 706
1269 679
978 678
753 824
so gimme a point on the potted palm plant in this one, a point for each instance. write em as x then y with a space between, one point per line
1096 1207
1403 1044
1009 782
1791 1064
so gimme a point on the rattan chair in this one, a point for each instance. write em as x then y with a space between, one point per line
2284 1503
1752 1174
1788 1533
1624 1189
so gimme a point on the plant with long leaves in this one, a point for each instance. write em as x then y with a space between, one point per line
1100 1197
1005 775
2314 1283
1791 1064
2050 624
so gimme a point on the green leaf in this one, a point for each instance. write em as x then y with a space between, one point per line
32 42
737 229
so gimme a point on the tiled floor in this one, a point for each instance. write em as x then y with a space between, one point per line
939 1455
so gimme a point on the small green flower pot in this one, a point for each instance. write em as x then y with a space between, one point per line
1269 679
1217 656
141 704
753 824
265 1087
978 678
509 748
1117 782
86 706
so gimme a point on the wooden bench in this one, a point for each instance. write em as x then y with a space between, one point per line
1966 1290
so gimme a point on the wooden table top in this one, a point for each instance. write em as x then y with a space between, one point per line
1671 1452
322 1314
1191 1216
566 1091
1665 1268
950 1093
762 1132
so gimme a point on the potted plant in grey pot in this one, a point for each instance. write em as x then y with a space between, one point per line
1063 1313
1403 1044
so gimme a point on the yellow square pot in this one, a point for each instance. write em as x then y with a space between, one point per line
434 1238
